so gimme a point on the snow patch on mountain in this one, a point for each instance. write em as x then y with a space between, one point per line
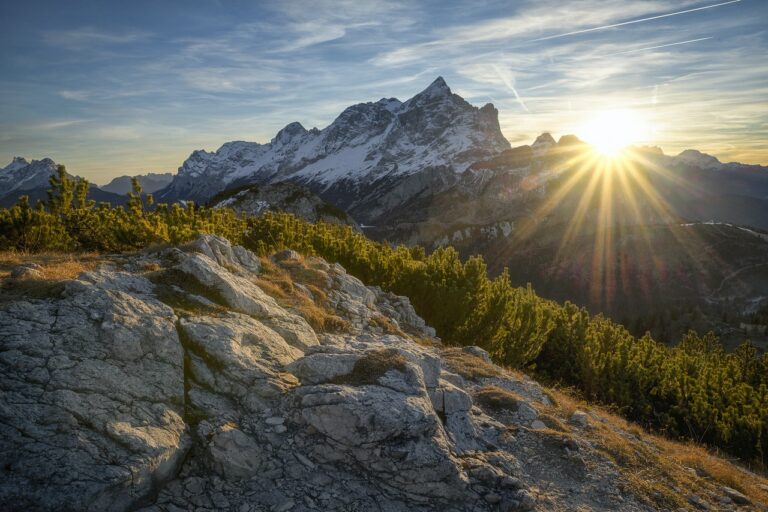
366 143
22 175
694 158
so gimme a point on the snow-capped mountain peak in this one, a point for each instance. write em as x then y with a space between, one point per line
289 133
695 158
365 147
22 175
436 89
17 163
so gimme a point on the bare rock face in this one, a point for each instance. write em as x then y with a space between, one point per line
243 296
114 400
92 397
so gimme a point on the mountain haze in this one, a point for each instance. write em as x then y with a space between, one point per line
150 183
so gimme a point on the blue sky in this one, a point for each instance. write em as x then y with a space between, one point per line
109 88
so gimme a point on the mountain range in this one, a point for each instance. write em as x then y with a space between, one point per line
150 183
24 178
649 236
370 159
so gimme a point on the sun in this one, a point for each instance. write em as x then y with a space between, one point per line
611 131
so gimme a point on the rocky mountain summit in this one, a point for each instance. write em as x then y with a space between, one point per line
21 175
371 158
202 377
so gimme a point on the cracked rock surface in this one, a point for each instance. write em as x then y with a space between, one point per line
113 399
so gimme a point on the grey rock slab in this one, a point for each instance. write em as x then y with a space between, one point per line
92 393
244 296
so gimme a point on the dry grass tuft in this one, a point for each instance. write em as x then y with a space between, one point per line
554 423
427 342
280 283
150 266
371 367
273 289
386 325
181 301
321 319
649 475
56 268
498 399
469 366
652 465
718 469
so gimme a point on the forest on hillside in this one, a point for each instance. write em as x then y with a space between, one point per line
694 390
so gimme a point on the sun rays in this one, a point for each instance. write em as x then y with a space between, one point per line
613 202
611 131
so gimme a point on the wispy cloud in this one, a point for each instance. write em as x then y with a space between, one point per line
83 37
518 28
58 124
136 92
647 48
632 22
509 81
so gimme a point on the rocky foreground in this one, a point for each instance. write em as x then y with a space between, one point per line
172 380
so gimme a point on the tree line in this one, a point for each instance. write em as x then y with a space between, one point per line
694 390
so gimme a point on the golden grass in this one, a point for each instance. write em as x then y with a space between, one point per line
469 366
56 268
498 399
371 367
279 283
652 464
386 324
55 265
714 466
426 341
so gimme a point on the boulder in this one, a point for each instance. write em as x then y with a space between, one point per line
244 296
579 419
736 496
27 271
237 356
477 352
234 455
222 252
92 393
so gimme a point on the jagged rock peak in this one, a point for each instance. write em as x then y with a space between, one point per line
291 131
355 161
544 139
17 163
438 87
390 104
437 90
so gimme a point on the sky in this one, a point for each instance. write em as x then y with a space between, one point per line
114 87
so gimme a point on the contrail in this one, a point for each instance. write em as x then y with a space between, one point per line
635 21
508 83
654 47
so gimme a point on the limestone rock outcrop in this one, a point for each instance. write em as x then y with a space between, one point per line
172 380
